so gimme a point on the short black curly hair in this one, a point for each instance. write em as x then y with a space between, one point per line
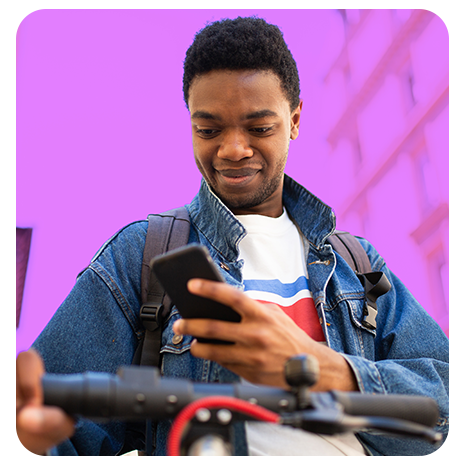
240 44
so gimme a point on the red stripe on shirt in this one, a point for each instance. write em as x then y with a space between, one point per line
304 314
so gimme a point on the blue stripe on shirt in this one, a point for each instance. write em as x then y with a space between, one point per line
277 287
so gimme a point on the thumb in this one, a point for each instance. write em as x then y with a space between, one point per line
42 428
47 420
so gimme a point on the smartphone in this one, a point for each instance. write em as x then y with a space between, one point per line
175 268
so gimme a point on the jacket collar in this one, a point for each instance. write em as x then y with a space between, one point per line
221 228
315 219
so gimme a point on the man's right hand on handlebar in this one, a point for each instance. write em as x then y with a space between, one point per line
39 427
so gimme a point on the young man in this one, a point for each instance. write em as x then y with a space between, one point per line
268 236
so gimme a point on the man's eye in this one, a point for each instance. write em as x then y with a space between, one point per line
206 132
261 130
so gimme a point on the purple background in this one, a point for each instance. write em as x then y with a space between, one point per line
103 135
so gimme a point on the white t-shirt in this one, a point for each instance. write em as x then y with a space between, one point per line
275 272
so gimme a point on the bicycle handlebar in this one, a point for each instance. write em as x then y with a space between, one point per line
419 409
137 393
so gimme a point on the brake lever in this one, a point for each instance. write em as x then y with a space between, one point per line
334 421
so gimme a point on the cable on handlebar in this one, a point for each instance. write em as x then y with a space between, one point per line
234 404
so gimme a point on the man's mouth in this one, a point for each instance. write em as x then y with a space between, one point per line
237 176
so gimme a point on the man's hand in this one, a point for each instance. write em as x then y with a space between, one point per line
264 340
39 427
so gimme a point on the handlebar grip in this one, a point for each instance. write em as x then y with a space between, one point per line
419 409
90 394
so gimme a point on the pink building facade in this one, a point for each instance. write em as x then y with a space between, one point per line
388 133
103 135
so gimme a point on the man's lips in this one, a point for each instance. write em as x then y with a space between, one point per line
239 176
241 172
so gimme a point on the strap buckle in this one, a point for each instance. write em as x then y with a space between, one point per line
375 285
149 313
370 313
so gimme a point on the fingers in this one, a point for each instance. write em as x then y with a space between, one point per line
208 328
39 427
250 340
42 428
226 354
29 372
256 316
225 294
46 421
253 364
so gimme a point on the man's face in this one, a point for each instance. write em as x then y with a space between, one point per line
241 129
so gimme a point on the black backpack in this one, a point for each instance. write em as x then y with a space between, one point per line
171 229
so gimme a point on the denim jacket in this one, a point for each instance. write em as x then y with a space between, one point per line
97 327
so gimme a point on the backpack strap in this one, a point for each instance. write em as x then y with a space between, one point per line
166 231
375 283
349 248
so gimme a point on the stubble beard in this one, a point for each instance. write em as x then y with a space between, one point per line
255 198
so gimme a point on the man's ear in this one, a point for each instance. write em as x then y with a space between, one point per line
295 121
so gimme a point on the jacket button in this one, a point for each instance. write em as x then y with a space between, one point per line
177 339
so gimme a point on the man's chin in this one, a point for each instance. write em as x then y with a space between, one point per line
244 202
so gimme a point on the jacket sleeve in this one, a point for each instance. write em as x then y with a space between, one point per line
411 357
96 329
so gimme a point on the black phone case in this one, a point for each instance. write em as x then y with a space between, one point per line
175 268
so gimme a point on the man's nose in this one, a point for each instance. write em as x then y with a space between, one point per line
235 146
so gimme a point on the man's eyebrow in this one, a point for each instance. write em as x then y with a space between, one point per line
260 114
204 115
254 115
